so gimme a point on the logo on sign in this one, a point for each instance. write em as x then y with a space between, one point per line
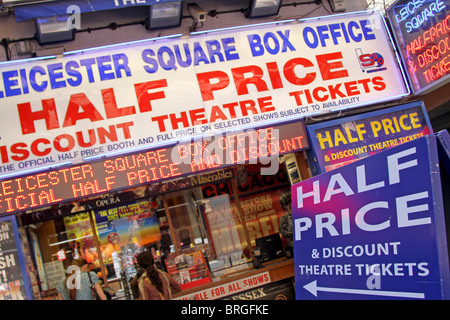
61 255
370 62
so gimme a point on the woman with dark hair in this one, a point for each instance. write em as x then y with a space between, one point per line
154 284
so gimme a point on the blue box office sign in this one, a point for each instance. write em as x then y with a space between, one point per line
48 9
373 229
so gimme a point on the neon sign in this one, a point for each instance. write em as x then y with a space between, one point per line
428 10
130 170
422 31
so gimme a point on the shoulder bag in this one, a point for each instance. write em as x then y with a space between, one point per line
94 291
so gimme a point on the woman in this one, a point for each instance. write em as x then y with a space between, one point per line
78 283
154 284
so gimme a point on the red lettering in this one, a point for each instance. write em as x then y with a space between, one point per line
326 67
274 74
207 86
4 153
89 111
48 113
248 105
242 83
265 104
59 146
352 88
182 119
19 149
290 75
316 94
231 108
160 121
217 113
379 85
111 110
103 134
198 116
126 129
143 95
35 150
92 139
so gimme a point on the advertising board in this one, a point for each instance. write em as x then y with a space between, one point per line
38 9
374 229
421 28
132 170
14 280
144 94
345 140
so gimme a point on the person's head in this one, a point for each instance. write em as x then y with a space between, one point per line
80 263
286 201
145 261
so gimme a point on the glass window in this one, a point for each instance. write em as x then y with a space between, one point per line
55 243
211 226
211 219
198 234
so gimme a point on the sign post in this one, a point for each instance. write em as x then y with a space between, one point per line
373 229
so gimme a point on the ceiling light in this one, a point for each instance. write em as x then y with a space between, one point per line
262 8
163 15
54 29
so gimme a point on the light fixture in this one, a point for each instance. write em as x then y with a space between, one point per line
262 8
163 15
54 29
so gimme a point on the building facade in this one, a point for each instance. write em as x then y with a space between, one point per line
186 140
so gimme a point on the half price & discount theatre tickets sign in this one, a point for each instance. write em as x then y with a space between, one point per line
373 229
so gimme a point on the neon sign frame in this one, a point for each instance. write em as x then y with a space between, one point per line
421 28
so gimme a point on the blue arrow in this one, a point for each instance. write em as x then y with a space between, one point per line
313 288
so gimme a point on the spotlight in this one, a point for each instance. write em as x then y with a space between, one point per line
163 15
54 29
262 8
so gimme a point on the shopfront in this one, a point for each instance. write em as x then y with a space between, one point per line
201 228
186 147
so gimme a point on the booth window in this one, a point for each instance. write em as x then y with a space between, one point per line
54 244
198 234
211 226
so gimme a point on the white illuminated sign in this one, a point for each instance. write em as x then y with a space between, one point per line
152 93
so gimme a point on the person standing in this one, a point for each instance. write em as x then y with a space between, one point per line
154 284
79 283
286 224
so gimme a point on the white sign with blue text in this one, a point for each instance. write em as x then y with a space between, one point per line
150 93
373 229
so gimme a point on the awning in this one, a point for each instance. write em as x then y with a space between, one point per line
58 8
